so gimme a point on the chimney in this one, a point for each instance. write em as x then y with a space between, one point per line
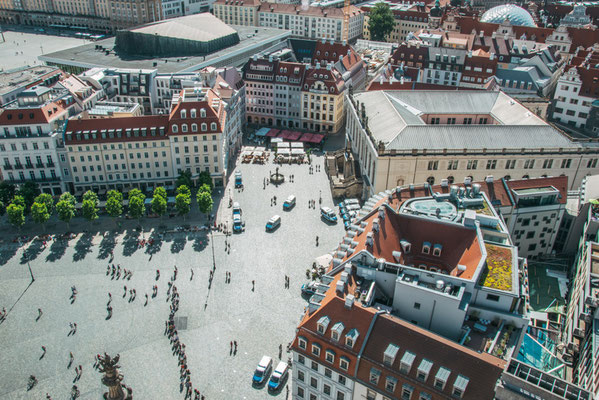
492 56
382 212
349 301
375 225
494 35
396 255
340 287
489 179
369 239
481 34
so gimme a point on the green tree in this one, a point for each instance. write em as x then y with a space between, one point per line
114 205
159 205
40 214
66 196
205 201
91 196
135 193
47 200
7 192
184 179
19 201
137 207
184 189
160 191
29 190
205 188
65 208
89 209
183 204
381 22
116 194
2 208
16 214
205 179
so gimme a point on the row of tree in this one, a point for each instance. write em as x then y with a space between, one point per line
43 206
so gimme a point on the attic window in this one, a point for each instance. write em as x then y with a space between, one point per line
336 331
20 115
426 248
318 52
323 324
351 337
9 116
437 250
406 246
30 115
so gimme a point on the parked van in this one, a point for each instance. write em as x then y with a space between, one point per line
236 208
273 223
289 203
351 201
238 224
328 214
278 376
262 370
238 180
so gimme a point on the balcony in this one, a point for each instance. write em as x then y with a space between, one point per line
18 166
578 333
50 165
39 165
7 166
39 180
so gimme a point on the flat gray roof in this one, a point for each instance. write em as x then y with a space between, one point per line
252 39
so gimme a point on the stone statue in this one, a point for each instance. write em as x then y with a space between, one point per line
112 378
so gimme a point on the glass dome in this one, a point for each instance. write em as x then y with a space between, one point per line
516 15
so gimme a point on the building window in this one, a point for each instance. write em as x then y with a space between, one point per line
375 374
406 392
472 164
433 165
330 356
300 376
491 164
492 297
344 363
529 164
301 342
175 128
417 306
452 165
314 382
566 162
314 366
547 163
390 384
301 359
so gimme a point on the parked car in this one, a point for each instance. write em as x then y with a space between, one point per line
238 179
328 214
238 224
351 201
278 376
309 288
273 223
262 370
289 203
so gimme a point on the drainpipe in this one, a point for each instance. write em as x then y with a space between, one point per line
366 340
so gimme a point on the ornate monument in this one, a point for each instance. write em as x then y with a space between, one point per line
112 378
277 178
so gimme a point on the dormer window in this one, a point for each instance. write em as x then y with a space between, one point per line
406 362
344 363
330 356
323 324
183 127
302 342
375 375
351 337
194 127
459 387
441 378
316 349
424 369
406 246
213 126
426 248
204 127
437 250
202 113
336 331
390 354
175 128
193 113
183 114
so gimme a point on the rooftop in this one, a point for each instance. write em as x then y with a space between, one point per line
20 77
499 269
101 53
196 27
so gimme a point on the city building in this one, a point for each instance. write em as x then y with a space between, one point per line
577 17
237 12
574 103
311 22
307 94
203 33
117 153
401 137
177 8
424 298
31 139
111 109
409 18
14 82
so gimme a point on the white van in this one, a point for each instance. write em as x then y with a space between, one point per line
289 203
262 370
278 376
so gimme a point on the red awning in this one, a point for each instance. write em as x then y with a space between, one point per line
273 133
316 138
294 135
285 134
306 137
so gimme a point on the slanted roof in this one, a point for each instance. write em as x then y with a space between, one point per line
202 27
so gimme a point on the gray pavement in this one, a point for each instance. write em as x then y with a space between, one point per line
259 320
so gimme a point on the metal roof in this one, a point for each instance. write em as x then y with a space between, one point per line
197 27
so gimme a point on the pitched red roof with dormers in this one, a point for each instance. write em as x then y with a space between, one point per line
331 79
292 71
139 128
213 114
44 114
469 25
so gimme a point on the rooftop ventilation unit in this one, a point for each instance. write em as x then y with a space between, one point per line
344 276
444 183
349 301
382 212
476 189
396 255
489 179
369 239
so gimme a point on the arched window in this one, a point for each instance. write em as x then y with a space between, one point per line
507 177
183 114
204 127
213 126
202 113
194 127
431 180
175 128
525 177
450 179
183 127
193 113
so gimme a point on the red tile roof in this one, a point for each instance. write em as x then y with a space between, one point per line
329 12
34 116
145 121
559 182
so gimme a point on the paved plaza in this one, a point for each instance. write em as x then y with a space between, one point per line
20 49
258 320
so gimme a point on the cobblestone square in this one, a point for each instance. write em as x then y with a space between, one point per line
258 320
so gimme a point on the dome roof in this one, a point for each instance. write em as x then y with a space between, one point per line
516 15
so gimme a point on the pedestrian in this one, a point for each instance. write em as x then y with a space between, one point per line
253 285
124 291
43 352
191 278
39 313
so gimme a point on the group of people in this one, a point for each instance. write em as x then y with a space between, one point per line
286 281
115 272
177 346
312 169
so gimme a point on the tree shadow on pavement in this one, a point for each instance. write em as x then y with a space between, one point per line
7 253
57 250
83 246
33 250
107 245
200 241
130 242
179 243
155 239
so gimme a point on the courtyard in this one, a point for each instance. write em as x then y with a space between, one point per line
209 317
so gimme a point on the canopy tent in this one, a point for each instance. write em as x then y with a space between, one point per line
272 132
316 138
283 151
306 137
282 145
297 145
276 140
294 135
262 131
297 152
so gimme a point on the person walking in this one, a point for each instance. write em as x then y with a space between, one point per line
43 352
39 314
